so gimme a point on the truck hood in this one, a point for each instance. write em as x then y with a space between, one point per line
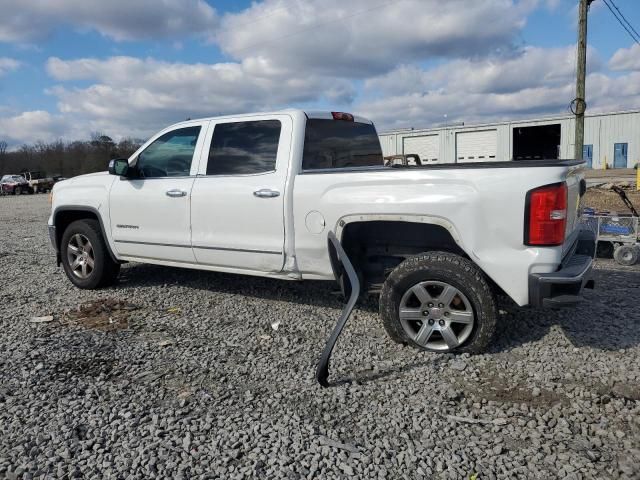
99 178
90 175
87 177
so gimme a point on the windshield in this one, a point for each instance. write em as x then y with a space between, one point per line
12 178
340 144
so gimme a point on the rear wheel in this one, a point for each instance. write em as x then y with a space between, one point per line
85 257
440 302
17 191
626 255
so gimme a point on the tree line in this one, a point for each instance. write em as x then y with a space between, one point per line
66 159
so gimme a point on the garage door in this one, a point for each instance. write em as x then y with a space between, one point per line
426 146
387 144
476 146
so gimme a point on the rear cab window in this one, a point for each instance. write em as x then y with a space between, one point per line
332 144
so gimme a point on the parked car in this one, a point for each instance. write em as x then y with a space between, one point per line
264 195
38 182
14 185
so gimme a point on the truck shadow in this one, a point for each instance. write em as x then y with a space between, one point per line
313 293
608 318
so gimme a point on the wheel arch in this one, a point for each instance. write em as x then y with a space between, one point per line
64 216
377 243
397 237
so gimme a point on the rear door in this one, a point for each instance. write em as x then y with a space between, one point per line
150 214
237 204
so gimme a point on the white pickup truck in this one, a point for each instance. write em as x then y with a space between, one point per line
258 195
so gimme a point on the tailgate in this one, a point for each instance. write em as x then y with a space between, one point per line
576 188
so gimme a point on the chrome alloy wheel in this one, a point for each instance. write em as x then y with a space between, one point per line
436 315
80 256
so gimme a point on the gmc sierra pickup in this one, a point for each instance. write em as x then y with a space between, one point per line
259 195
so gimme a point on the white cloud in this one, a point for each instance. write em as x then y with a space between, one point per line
361 37
367 56
165 92
626 59
497 92
8 65
530 68
33 126
32 20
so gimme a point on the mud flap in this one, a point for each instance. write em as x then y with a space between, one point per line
340 261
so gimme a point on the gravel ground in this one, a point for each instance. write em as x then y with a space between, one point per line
180 374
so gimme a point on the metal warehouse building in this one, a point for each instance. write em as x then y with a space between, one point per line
613 138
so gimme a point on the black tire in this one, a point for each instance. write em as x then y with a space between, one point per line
604 249
626 255
17 191
105 270
455 271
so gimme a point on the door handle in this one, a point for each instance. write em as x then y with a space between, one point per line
266 193
175 193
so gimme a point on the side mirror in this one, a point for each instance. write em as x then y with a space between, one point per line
119 166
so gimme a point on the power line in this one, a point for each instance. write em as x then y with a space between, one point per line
624 18
631 31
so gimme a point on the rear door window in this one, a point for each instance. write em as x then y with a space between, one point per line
244 148
340 144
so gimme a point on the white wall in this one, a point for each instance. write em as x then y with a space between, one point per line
601 131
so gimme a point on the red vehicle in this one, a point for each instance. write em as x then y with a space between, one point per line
14 185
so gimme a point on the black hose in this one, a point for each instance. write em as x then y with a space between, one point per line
322 370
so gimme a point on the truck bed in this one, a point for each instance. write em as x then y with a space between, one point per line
458 166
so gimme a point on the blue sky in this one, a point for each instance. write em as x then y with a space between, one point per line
128 68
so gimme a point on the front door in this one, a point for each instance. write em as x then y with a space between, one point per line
150 214
620 155
237 205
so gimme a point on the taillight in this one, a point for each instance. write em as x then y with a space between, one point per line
546 215
347 117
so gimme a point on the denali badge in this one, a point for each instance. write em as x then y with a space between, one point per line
133 227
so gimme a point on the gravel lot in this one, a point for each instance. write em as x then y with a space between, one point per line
180 374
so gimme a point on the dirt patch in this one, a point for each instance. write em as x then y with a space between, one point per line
106 315
491 387
602 199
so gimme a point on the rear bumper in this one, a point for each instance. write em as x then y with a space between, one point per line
564 287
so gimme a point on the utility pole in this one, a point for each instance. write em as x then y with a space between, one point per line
579 104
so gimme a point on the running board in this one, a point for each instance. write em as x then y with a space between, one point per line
322 370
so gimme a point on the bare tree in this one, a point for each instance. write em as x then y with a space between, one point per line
66 158
3 154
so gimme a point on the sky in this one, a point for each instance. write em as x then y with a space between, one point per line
127 68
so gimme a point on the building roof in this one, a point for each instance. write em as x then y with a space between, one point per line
506 122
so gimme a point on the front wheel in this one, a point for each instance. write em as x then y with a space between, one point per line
85 257
440 302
